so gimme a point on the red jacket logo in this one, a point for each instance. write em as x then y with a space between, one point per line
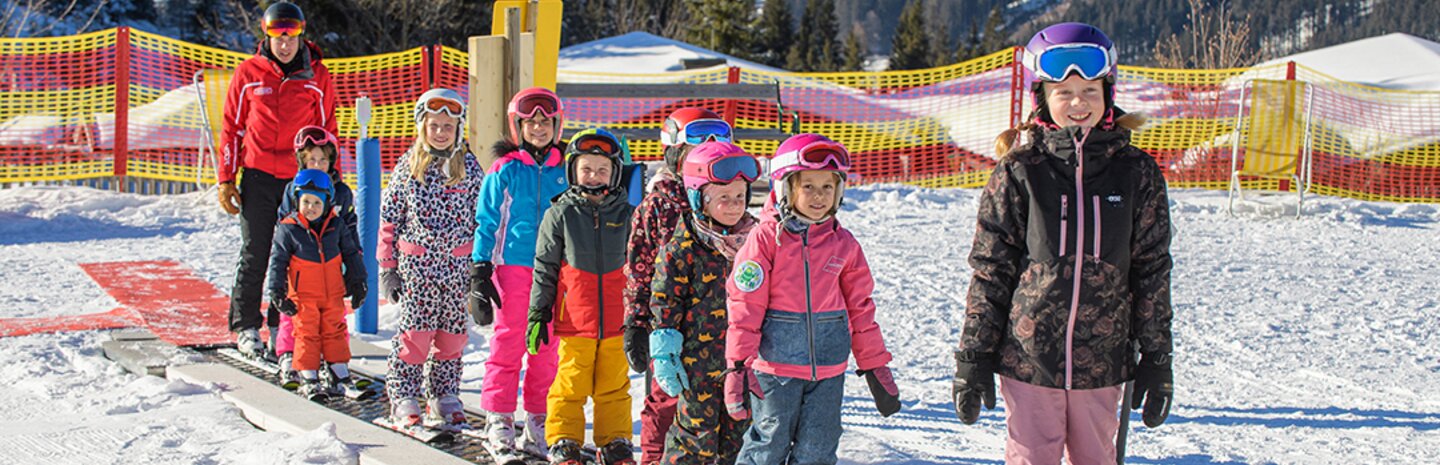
263 91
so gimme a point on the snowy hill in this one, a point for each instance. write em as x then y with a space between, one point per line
1392 61
1309 341
640 53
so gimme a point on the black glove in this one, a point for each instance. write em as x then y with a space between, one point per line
284 305
1154 388
637 347
974 382
390 285
482 298
358 291
883 389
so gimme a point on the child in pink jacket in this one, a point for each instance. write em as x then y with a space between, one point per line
799 305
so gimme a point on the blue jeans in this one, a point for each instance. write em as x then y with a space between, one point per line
798 422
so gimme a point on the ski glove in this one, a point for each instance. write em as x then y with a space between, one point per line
1154 388
740 381
284 305
637 347
537 334
974 383
358 291
390 286
669 371
482 298
229 197
883 389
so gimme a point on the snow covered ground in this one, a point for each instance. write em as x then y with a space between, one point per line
1309 341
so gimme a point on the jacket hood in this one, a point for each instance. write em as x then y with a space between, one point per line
504 150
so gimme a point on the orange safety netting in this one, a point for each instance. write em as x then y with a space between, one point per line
1267 126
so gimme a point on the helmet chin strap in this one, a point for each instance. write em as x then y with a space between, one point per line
593 190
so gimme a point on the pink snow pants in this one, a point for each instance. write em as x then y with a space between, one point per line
285 341
1044 422
507 349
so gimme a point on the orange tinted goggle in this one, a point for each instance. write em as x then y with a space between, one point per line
451 107
596 145
284 27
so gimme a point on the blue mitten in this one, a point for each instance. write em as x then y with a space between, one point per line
665 360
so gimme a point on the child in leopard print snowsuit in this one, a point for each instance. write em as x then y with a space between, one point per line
424 254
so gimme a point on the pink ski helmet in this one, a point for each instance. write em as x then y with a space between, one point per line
716 163
803 152
530 102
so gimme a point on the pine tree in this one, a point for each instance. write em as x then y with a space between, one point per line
821 30
969 47
939 36
855 49
993 37
910 47
720 25
774 34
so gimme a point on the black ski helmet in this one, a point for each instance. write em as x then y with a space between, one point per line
283 10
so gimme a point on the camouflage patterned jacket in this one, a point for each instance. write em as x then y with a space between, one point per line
652 226
688 294
1050 325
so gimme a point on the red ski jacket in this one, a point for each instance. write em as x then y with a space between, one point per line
264 108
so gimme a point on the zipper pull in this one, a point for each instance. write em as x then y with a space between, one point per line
1064 207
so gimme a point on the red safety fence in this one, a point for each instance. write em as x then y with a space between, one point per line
122 104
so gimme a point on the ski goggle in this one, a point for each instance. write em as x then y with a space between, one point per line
817 156
1055 63
591 144
445 105
703 130
313 182
727 169
315 136
528 106
284 27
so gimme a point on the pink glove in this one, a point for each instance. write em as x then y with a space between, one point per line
740 381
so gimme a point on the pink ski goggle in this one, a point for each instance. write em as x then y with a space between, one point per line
315 136
818 156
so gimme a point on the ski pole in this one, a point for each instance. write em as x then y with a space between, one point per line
1124 422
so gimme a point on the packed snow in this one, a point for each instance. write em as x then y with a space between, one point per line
1298 341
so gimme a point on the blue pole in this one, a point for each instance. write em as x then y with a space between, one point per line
367 164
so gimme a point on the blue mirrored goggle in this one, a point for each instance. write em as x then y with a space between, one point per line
698 132
732 168
1089 61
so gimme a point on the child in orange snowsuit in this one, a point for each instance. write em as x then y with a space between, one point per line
308 283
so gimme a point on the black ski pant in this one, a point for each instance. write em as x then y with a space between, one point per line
260 195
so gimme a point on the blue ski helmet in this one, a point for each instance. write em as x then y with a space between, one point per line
314 182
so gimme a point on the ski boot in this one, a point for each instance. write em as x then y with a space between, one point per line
248 343
446 413
532 438
567 452
289 378
405 412
310 388
340 383
617 452
499 439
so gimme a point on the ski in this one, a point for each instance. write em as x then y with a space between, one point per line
505 456
263 364
416 431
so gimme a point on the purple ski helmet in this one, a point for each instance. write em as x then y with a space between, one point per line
1062 49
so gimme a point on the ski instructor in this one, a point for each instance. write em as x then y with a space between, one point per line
273 94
